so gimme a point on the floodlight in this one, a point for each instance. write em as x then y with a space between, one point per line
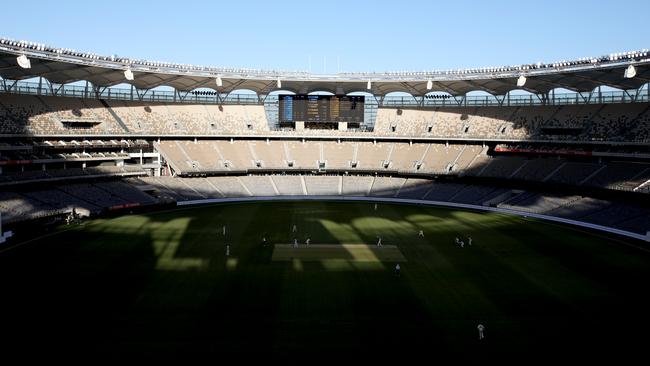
630 72
279 83
128 74
369 86
429 84
24 62
521 81
219 81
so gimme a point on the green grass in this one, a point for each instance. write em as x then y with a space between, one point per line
160 285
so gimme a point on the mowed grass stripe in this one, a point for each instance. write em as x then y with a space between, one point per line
345 252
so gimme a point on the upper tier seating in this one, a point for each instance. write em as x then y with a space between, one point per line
48 115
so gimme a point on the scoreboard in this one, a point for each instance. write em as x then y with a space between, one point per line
321 108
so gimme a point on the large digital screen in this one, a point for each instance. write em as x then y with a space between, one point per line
321 108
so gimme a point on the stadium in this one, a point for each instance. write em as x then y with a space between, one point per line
160 209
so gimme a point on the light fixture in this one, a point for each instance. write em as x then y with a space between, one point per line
24 62
128 74
521 81
369 86
429 84
279 83
219 81
630 72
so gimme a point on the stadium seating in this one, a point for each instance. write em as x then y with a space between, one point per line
55 200
188 157
323 185
47 115
414 188
353 185
260 186
386 186
99 196
65 139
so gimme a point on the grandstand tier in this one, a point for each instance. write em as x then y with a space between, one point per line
29 115
28 203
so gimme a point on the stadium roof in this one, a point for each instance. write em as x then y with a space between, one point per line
64 66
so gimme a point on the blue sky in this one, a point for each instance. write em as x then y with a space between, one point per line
357 35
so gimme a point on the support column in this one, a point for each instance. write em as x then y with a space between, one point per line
600 95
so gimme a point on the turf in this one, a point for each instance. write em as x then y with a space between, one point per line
160 285
339 253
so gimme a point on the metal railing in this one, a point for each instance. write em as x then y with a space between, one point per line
153 95
608 97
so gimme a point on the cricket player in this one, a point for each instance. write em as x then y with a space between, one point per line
421 234
481 329
379 241
397 269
